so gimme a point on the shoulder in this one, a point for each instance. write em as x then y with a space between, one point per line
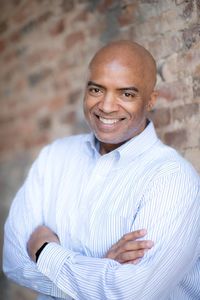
69 143
169 162
66 144
62 149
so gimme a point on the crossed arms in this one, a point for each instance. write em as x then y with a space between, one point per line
171 216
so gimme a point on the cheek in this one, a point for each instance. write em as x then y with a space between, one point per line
87 107
135 111
132 108
88 104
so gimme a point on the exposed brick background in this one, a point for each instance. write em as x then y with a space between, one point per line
45 46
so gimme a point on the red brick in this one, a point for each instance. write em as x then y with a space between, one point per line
67 5
60 83
192 109
178 113
56 104
68 118
191 58
189 8
82 16
103 6
2 45
12 132
127 14
74 96
197 70
196 86
15 37
161 117
44 17
176 138
181 113
42 55
58 28
9 57
44 122
3 27
170 91
164 45
74 38
22 15
35 141
191 35
198 6
37 77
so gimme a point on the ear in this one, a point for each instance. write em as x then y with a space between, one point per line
152 100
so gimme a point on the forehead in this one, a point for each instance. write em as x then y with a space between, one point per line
116 73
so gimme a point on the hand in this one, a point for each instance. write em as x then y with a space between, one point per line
39 236
128 250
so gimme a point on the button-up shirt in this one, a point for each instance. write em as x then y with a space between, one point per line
90 201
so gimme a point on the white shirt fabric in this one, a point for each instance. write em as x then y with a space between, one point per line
91 201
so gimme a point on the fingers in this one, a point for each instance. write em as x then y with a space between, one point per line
131 236
134 235
129 249
137 245
133 250
133 256
133 262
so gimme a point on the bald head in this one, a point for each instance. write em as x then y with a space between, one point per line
129 54
119 93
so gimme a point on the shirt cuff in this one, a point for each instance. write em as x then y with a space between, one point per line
51 260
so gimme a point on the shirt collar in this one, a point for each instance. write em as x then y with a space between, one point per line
131 149
140 143
92 145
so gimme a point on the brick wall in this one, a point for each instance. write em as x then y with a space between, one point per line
45 46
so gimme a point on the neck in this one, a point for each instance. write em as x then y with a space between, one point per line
106 148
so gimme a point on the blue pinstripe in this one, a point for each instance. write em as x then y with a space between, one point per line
90 201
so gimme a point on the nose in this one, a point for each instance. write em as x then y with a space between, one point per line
108 103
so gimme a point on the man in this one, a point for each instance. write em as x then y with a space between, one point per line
72 228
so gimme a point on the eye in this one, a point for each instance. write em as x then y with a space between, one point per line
94 91
129 95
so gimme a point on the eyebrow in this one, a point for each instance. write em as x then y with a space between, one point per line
130 88
94 83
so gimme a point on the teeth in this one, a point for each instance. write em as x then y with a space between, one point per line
108 121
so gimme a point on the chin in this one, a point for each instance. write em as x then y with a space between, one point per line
109 140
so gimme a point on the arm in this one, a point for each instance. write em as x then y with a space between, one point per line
170 211
126 250
25 215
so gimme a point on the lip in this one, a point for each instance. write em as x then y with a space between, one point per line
109 125
108 121
108 118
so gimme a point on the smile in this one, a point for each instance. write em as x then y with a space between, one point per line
108 121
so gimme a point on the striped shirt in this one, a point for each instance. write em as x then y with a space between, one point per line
91 201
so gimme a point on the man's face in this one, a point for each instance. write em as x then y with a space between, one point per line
115 102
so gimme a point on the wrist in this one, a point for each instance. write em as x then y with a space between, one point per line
39 251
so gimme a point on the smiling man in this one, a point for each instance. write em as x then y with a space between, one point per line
119 93
76 227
